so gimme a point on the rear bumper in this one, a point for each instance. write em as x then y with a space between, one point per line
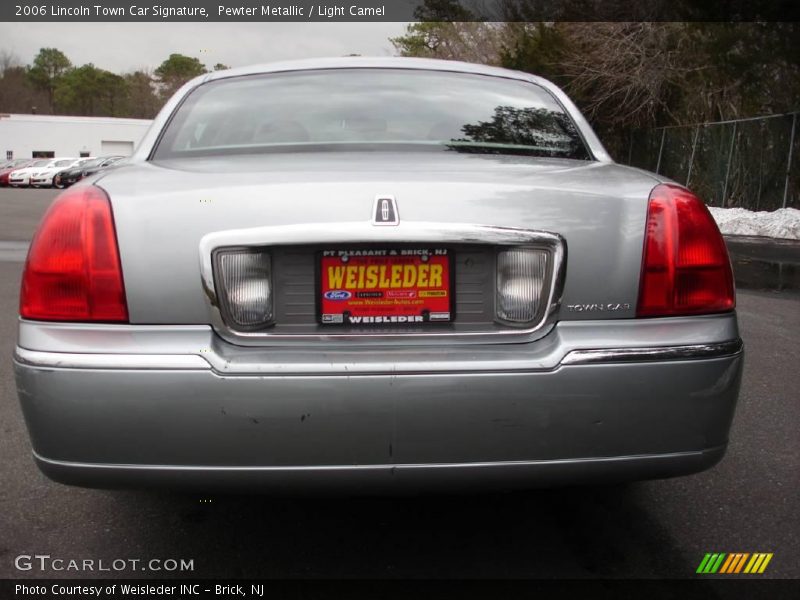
171 419
445 477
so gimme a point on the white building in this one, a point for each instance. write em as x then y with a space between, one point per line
49 136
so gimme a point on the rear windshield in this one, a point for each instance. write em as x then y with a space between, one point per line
374 108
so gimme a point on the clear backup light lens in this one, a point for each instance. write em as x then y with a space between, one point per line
246 278
521 275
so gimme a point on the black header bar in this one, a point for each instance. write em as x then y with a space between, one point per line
396 10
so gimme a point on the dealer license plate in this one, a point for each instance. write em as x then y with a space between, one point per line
406 286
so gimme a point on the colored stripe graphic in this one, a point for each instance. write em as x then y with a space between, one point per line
703 563
726 565
741 562
711 563
758 563
734 562
765 563
732 559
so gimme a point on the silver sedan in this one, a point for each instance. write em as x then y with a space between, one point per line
389 272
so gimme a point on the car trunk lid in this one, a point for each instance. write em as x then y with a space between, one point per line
163 210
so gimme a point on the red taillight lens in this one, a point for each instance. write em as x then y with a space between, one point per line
73 271
686 269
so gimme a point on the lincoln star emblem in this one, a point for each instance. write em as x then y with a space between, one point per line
384 212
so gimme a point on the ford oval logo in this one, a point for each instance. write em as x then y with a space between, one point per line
337 295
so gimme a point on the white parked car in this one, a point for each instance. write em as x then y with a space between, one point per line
22 177
44 177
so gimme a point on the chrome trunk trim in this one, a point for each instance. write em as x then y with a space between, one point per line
404 233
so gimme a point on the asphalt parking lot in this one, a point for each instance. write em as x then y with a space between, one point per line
748 503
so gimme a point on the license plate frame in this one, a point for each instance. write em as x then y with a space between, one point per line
375 294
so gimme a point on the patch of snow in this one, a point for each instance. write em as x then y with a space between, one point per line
782 223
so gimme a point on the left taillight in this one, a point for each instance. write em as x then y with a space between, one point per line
73 270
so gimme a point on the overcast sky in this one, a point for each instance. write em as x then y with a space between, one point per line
123 47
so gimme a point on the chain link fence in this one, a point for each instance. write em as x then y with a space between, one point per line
746 163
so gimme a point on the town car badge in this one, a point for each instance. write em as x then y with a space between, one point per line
384 211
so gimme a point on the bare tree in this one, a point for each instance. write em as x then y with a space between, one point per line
624 71
8 60
16 93
468 41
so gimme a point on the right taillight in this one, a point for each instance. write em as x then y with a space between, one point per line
685 269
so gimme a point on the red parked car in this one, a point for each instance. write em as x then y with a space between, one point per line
6 168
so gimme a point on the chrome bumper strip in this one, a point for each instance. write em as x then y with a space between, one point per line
193 362
370 467
617 355
150 362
